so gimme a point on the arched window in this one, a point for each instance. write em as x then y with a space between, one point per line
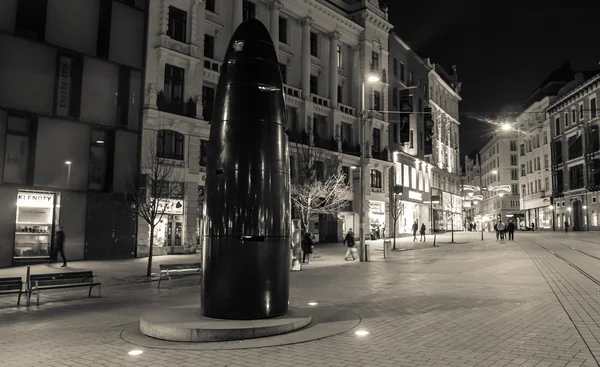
169 144
376 181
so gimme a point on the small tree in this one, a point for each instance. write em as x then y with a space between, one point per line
158 181
318 187
397 212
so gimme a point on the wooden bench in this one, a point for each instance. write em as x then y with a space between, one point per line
12 286
39 282
178 269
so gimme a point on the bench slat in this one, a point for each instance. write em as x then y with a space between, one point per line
11 280
61 286
56 276
180 266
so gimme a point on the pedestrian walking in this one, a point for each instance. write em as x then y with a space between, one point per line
59 246
501 230
415 228
349 241
423 232
307 248
566 226
497 232
511 230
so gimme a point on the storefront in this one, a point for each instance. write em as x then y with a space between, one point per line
538 211
448 213
416 208
168 232
377 218
37 214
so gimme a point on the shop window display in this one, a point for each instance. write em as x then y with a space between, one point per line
33 227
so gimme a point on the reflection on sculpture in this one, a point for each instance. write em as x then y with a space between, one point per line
248 211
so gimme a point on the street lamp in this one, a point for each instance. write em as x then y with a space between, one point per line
68 163
506 127
372 78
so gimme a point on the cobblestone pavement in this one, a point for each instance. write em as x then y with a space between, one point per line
473 303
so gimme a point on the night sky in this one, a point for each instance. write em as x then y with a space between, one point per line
502 52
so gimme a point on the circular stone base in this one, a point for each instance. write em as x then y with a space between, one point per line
326 321
189 325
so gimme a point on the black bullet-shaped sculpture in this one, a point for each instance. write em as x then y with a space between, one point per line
245 259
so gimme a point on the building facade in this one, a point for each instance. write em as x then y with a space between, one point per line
441 149
69 127
411 174
575 157
326 50
500 181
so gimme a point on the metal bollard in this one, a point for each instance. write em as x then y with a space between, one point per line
433 240
366 252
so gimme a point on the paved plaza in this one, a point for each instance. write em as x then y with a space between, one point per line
531 302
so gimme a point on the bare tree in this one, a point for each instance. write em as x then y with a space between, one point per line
154 189
398 207
318 186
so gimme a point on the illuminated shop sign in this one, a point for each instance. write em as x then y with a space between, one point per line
414 195
35 200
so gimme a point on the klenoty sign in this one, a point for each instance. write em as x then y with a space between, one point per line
35 200
414 195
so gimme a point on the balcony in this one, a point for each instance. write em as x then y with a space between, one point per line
381 155
347 109
324 143
176 106
320 100
211 64
300 137
351 149
291 91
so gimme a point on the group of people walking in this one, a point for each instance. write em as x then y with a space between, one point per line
505 230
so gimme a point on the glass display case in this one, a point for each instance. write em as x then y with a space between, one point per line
33 227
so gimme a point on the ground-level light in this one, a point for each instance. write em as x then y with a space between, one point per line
362 333
135 352
312 303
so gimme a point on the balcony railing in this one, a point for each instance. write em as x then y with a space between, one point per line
329 144
347 109
292 92
211 64
176 106
320 100
300 137
351 149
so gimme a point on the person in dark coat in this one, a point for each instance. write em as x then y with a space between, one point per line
511 230
566 226
497 231
422 231
349 241
307 248
415 228
59 243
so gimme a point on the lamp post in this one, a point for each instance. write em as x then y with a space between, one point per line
68 163
551 207
363 120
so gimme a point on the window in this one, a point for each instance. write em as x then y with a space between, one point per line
98 156
177 24
208 101
319 171
395 97
248 10
203 152
376 140
523 171
314 44
376 179
576 177
524 190
402 72
395 132
283 71
292 167
575 147
314 85
514 174
557 125
31 19
210 5
513 160
18 151
593 108
377 101
547 184
339 56
374 61
566 119
545 160
411 138
545 137
513 146
581 111
539 165
346 172
340 94
395 66
522 149
209 46
514 189
173 83
573 116
169 144
283 30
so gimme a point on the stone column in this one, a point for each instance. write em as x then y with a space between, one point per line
306 24
238 15
356 80
333 68
275 8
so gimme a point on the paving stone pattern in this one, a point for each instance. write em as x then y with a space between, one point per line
472 304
